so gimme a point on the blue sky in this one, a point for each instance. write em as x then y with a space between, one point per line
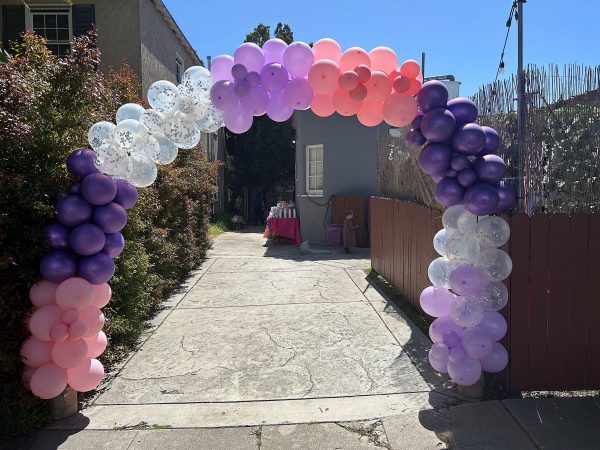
459 37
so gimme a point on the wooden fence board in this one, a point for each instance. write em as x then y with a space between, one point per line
593 305
399 262
504 376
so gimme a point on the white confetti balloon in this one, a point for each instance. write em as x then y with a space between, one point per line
167 150
201 109
129 111
186 104
439 271
141 172
497 296
493 231
496 263
111 159
163 96
462 248
440 240
465 312
145 146
153 120
451 215
179 127
99 132
127 131
467 223
196 83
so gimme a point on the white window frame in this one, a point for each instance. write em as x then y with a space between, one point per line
32 10
314 192
179 66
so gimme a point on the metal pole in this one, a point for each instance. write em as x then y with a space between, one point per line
520 108
423 64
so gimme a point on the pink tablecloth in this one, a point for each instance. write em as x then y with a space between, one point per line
286 227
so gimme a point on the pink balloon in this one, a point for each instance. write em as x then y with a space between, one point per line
42 293
273 50
220 68
298 58
327 48
298 94
27 374
379 87
96 344
465 372
36 353
354 56
256 101
384 59
48 381
102 295
323 76
344 105
322 105
401 84
415 87
278 109
59 332
399 110
42 321
70 315
410 68
496 361
86 376
78 329
94 318
370 114
250 55
348 80
74 293
69 353
359 93
237 120
363 72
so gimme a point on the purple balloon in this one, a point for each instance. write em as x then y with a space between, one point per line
492 140
415 137
435 301
114 244
495 323
87 239
466 177
278 109
127 194
273 50
465 372
241 88
451 173
416 123
223 96
75 188
274 77
469 139
237 120
492 169
110 218
96 269
433 95
464 110
298 58
459 162
437 178
98 189
220 68
250 55
298 94
58 236
438 125
58 266
440 326
253 78
477 342
256 101
456 353
441 365
73 210
481 199
81 162
238 71
467 280
451 338
497 360
448 192
507 197
435 158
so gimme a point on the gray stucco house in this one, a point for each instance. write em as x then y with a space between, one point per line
142 32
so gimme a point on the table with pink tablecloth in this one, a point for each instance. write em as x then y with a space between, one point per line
287 227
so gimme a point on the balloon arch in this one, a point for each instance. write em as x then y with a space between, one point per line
66 324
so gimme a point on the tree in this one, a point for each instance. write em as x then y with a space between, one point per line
264 156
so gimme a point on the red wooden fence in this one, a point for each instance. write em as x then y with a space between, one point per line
359 205
554 308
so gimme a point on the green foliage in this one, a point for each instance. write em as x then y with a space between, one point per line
220 224
46 107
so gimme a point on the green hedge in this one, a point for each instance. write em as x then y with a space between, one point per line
46 108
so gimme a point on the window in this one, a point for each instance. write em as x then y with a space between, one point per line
178 68
55 26
314 169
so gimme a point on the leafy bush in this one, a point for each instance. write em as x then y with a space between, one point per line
46 107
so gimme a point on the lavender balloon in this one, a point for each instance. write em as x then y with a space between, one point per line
273 50
464 110
98 189
241 88
451 338
253 78
495 324
440 326
110 218
239 72
476 342
441 365
274 77
469 139
465 372
435 158
298 94
436 301
448 192
220 68
433 95
491 168
481 199
127 194
58 236
278 109
438 125
114 244
298 58
223 96
58 266
237 120
255 103
87 239
467 280
496 361
96 269
73 210
250 55
81 162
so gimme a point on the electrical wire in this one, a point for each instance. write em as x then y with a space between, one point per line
511 14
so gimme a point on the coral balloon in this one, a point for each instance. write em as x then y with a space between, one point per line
69 353
322 105
323 76
327 48
344 105
399 110
48 381
383 59
354 56
36 353
74 293
410 68
363 72
94 318
96 344
42 293
370 114
401 84
86 376
348 80
359 93
415 87
379 87
42 321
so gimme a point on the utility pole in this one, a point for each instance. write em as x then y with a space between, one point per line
520 108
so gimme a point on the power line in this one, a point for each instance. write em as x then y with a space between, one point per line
511 15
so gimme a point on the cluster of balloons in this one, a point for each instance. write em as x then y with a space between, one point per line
467 294
368 84
66 324
459 154
142 138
